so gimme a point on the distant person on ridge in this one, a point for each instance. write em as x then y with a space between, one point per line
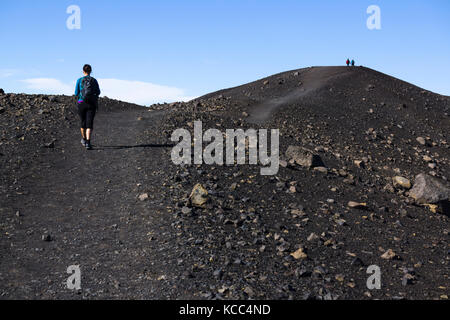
353 63
348 62
87 92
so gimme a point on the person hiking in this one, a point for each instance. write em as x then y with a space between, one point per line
347 62
353 63
87 92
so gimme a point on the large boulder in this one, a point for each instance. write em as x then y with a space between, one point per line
429 189
303 157
432 192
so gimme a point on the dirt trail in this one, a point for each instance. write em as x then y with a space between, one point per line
313 79
87 202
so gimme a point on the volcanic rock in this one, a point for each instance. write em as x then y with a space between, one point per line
143 196
429 189
303 157
402 182
199 196
299 254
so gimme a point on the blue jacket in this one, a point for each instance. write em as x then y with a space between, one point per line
78 89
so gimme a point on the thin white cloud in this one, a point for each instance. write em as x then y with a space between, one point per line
138 92
6 73
49 85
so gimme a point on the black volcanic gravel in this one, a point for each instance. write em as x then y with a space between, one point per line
122 211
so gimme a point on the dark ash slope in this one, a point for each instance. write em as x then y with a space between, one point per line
239 246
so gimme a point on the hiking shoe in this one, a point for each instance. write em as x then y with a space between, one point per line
83 142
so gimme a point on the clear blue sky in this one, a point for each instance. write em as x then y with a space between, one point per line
189 48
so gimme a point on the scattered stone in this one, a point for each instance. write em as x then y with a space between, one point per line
357 205
421 140
359 163
343 173
299 254
388 255
143 197
199 196
186 210
402 182
312 237
298 212
339 277
303 157
321 169
283 163
249 291
47 237
408 279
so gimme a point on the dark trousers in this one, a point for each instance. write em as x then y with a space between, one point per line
86 111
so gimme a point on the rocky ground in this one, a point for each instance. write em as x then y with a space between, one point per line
125 214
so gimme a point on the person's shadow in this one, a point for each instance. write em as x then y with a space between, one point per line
150 145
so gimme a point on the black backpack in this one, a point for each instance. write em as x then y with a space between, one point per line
89 89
